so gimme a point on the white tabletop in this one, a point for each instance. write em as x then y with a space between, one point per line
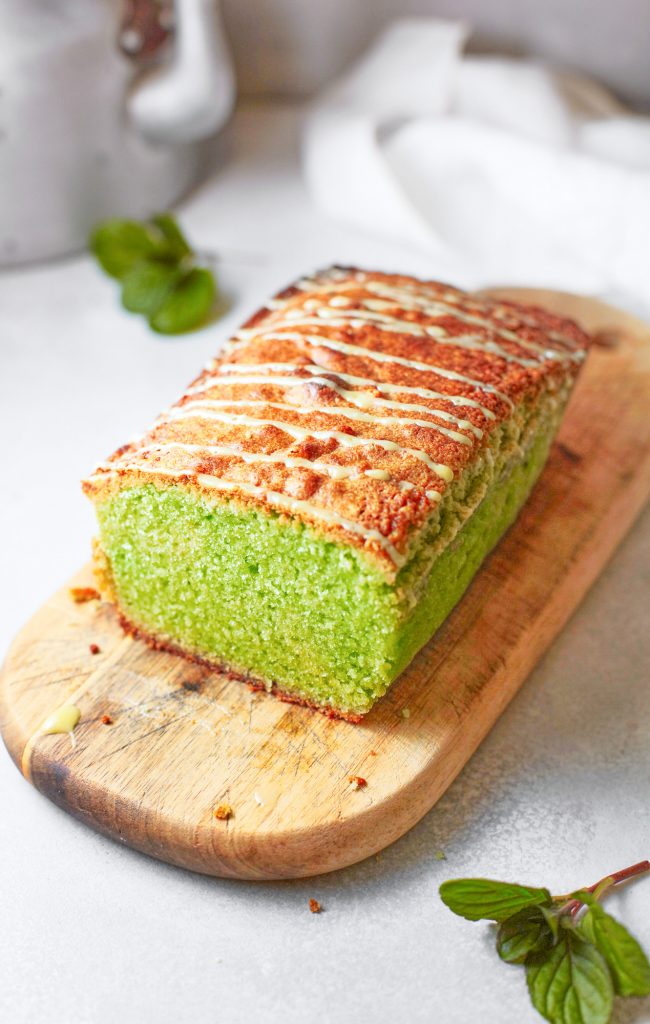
558 795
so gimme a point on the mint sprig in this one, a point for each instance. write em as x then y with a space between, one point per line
577 957
160 273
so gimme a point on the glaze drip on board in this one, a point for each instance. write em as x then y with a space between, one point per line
63 720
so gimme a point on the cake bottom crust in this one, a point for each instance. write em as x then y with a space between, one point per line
256 685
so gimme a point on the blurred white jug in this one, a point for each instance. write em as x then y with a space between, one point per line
87 132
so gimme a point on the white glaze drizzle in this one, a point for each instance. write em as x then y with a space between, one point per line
334 471
302 433
243 338
359 398
450 300
384 387
325 410
435 307
324 315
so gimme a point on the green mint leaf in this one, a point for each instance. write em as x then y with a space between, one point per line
120 244
171 232
571 984
188 304
147 285
481 898
155 264
626 960
525 933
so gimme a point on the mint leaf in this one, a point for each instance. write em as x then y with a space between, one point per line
146 286
576 956
626 960
158 271
480 898
187 305
120 244
174 237
525 933
571 984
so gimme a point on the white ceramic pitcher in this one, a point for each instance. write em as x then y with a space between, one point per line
87 132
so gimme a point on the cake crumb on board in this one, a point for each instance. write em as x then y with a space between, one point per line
315 906
82 594
223 812
357 782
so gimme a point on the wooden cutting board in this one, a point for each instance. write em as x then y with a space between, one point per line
183 740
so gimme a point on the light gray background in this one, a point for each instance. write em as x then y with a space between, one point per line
291 47
92 933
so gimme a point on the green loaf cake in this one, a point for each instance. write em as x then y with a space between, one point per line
318 500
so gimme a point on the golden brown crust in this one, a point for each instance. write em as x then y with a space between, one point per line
348 402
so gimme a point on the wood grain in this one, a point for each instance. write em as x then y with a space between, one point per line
184 740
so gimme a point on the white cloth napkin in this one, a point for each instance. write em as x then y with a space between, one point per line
504 170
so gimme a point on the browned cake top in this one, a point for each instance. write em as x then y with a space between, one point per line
350 402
